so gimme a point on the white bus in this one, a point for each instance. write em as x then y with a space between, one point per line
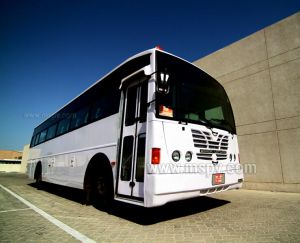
155 129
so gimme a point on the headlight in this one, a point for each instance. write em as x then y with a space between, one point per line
176 155
188 156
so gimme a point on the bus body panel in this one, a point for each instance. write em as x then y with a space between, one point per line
160 199
65 158
170 181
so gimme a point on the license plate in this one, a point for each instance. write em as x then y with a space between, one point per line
218 179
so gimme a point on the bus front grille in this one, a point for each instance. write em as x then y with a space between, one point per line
210 144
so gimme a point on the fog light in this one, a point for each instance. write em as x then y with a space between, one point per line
176 155
188 156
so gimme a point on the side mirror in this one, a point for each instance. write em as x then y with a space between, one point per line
163 84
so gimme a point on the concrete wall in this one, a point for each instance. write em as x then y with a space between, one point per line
10 167
23 166
16 167
261 74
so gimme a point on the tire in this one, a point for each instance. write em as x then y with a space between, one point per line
98 183
102 191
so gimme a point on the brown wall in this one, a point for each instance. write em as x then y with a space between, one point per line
10 154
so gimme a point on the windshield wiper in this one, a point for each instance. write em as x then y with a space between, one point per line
206 123
201 121
221 122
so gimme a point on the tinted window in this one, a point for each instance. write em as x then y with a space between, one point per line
127 158
108 88
140 162
106 105
143 102
32 141
80 118
99 109
36 139
63 126
130 106
51 132
194 96
43 136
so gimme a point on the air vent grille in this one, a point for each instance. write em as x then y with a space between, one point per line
209 145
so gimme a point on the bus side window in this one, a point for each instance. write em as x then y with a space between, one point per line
32 141
79 118
63 126
36 140
106 105
43 136
51 132
97 110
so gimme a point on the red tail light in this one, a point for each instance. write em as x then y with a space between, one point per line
155 160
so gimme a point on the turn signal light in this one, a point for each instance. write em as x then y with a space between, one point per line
155 160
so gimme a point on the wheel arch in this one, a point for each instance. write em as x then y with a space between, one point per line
98 162
38 169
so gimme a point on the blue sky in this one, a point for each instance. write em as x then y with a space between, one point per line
51 50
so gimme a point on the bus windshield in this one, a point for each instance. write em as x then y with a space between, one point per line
193 96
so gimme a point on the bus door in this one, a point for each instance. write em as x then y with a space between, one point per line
133 141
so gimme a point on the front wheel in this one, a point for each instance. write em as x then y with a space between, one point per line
98 189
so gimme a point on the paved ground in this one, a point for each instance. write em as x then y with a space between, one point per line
233 216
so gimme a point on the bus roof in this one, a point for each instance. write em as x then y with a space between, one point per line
144 53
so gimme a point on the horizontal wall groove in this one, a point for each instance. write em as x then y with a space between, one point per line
255 133
288 117
256 63
268 121
248 124
243 68
277 130
267 59
277 65
242 77
282 53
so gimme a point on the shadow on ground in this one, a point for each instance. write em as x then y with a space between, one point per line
173 210
140 215
69 193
